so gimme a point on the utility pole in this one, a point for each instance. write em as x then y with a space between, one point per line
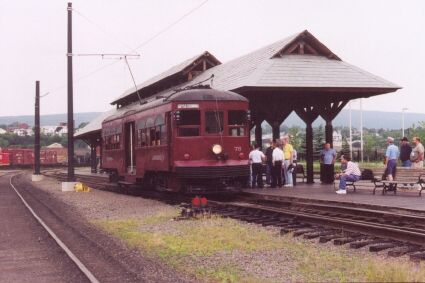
361 129
37 129
402 121
351 135
71 176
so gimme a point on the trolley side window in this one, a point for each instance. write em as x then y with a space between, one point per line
142 138
188 122
236 123
112 142
213 122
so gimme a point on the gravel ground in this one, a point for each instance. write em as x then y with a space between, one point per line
101 205
69 214
272 265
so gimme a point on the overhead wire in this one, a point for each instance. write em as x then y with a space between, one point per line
103 30
127 46
170 25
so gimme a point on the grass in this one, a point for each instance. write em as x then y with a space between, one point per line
218 250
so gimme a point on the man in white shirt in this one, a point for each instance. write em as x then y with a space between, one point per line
351 173
256 156
277 156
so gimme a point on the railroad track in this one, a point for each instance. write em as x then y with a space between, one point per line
61 245
341 228
399 233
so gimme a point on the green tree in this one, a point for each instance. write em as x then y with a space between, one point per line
318 140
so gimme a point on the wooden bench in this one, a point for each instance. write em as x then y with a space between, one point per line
408 178
405 177
374 179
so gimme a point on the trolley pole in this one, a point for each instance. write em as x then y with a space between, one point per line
71 176
37 129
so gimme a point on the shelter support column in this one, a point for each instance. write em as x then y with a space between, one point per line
329 110
275 117
309 152
258 133
276 130
308 115
93 157
329 132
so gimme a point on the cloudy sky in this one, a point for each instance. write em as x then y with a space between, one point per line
386 38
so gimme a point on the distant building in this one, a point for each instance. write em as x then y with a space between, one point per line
55 145
2 131
23 132
60 130
337 140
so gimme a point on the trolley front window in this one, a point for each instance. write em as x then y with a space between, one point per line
213 122
237 122
188 122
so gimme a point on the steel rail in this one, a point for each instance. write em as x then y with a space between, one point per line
61 244
411 235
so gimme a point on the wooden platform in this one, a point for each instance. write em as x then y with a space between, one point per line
406 200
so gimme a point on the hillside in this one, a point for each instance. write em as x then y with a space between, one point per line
50 120
371 119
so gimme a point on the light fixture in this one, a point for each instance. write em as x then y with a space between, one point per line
217 149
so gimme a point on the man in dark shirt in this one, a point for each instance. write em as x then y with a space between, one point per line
269 162
405 150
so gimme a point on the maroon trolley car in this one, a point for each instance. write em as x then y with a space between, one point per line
192 140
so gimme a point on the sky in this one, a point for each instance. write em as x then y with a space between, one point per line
386 38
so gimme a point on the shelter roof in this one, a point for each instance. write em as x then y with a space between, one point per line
298 61
180 69
94 126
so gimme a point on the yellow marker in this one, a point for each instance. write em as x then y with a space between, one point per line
80 187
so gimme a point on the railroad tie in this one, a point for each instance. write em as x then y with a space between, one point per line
303 231
382 246
325 239
399 251
319 234
363 243
346 240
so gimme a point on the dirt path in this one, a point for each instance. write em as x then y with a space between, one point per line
105 257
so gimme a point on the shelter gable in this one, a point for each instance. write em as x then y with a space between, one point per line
177 75
306 44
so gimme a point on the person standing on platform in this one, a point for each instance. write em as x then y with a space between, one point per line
257 157
417 154
287 163
327 160
351 173
277 159
405 150
269 162
391 156
294 167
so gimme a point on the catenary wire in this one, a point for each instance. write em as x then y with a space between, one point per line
113 36
138 47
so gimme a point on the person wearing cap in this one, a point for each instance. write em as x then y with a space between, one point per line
405 150
391 156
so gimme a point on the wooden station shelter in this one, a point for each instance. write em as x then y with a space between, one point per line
298 73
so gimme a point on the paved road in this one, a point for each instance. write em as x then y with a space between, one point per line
27 252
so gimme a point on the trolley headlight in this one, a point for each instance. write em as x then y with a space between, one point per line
217 149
